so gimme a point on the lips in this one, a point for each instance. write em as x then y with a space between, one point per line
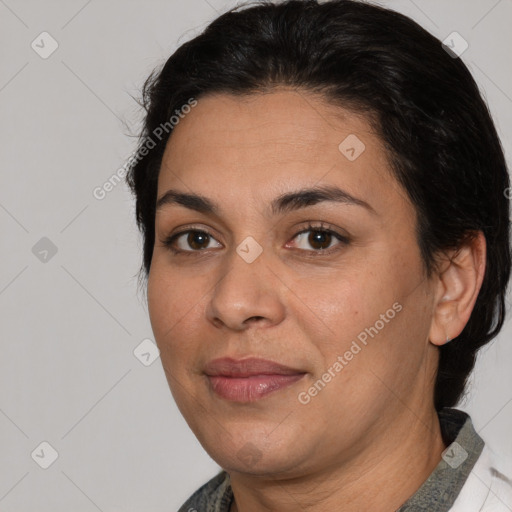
247 380
229 367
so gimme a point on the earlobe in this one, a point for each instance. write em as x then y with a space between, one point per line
444 319
458 285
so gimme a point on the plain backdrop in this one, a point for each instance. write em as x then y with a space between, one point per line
71 317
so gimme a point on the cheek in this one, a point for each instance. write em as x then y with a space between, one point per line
347 301
173 305
173 311
365 315
157 303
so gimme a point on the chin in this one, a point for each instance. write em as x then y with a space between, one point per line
255 455
269 467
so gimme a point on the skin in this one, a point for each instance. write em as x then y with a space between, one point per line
371 436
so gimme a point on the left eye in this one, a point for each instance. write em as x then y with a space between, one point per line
318 238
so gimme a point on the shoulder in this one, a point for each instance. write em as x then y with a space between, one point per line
214 496
489 485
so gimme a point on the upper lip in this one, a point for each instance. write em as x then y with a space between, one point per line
229 367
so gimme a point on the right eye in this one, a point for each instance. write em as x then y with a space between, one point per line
196 239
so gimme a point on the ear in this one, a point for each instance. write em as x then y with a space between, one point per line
458 285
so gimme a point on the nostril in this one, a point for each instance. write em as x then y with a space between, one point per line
254 318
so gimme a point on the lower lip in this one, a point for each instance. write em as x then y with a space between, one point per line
250 389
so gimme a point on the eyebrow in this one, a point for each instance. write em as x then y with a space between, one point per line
282 204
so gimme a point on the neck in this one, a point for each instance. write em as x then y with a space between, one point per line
380 477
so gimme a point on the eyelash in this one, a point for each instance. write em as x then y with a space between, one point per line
169 241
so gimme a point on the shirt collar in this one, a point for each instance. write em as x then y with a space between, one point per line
440 490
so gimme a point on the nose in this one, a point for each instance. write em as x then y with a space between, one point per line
247 294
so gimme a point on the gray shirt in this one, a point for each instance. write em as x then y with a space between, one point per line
437 493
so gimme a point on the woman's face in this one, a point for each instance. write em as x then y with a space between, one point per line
347 313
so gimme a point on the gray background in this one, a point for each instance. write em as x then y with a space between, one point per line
69 324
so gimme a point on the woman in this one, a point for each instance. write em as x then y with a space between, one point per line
321 191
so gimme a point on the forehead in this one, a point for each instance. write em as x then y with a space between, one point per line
265 144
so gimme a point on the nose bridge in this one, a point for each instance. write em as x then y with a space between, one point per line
247 290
